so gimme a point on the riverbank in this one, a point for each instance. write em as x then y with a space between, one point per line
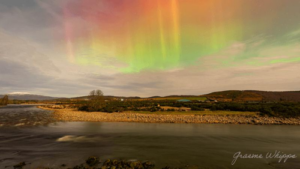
70 115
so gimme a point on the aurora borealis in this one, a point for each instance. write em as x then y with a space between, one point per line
152 34
149 47
164 34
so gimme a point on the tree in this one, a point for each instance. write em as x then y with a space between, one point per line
4 100
92 93
96 94
96 102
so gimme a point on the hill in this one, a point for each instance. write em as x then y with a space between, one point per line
254 96
109 97
221 96
279 96
28 97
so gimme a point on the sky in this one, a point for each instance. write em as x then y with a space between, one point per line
148 47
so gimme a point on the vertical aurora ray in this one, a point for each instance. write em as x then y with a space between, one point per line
69 45
162 34
176 31
159 34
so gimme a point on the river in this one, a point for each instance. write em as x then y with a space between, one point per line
175 145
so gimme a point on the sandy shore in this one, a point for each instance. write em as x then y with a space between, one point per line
81 116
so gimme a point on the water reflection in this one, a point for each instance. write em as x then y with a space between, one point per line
205 145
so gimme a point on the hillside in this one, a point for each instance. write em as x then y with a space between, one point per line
279 96
135 98
254 96
108 97
28 97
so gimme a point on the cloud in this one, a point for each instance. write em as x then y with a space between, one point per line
32 71
33 59
19 51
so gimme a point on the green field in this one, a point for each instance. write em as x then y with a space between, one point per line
206 112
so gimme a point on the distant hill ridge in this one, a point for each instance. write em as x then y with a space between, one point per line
109 97
226 96
28 97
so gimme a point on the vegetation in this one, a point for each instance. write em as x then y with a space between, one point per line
279 109
96 102
4 101
95 162
120 106
167 105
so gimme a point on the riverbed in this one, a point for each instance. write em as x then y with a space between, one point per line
166 144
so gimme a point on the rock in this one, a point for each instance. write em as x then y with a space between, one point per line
81 166
114 162
166 167
92 161
138 165
107 162
190 167
148 165
20 165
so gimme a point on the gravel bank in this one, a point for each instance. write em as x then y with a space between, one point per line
80 116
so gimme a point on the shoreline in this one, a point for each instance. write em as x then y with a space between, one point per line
73 115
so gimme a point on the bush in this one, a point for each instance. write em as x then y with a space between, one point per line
279 109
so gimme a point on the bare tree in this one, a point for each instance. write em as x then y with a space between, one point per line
92 93
96 100
4 100
98 93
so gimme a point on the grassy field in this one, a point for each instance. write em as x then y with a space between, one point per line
206 112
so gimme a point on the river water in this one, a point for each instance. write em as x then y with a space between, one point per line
175 145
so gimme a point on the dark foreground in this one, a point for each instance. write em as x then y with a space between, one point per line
174 145
67 145
96 163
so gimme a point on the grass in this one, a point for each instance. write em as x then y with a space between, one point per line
206 112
